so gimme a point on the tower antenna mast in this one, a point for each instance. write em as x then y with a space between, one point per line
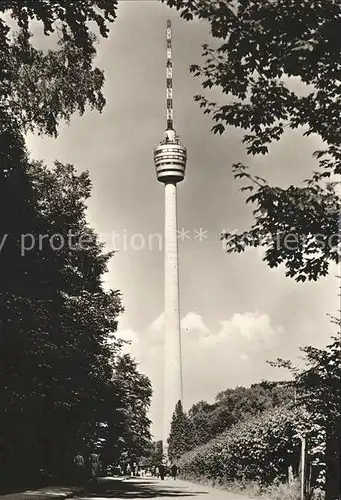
170 124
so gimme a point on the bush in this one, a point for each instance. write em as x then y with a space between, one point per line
260 449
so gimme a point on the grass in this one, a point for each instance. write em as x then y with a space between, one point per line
250 489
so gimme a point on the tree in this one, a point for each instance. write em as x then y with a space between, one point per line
319 390
55 362
180 439
64 386
200 415
156 454
235 405
129 427
38 89
151 457
60 391
321 393
265 46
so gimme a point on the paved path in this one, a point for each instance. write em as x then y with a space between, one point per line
48 493
135 489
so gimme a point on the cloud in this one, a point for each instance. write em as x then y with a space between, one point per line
157 324
253 325
249 331
193 321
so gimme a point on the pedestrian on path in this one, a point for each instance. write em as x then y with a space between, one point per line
162 471
95 467
174 471
79 469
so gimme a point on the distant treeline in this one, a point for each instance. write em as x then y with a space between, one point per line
205 421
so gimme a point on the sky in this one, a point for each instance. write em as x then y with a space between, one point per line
236 313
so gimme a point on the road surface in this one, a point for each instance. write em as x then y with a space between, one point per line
145 488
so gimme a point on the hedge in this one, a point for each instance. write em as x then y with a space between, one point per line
259 449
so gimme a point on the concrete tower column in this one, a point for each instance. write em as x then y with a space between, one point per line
172 336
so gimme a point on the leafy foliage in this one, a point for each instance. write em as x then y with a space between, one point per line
133 429
234 405
63 385
37 88
180 439
319 390
205 421
155 455
319 384
265 46
258 449
52 86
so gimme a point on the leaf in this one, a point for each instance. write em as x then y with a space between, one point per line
218 128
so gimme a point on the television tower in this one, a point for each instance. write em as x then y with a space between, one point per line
170 162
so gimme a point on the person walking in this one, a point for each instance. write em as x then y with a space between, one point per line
174 471
95 467
79 469
162 470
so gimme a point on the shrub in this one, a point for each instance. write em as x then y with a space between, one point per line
260 449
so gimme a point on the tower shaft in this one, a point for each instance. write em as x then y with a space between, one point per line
172 337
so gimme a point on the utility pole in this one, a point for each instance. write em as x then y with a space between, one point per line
303 466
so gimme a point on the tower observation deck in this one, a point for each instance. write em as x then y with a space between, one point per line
170 163
170 159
